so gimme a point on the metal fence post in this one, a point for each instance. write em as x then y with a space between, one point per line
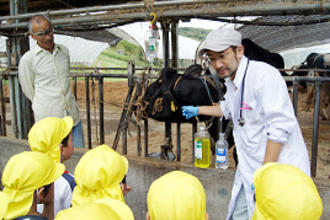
178 141
88 114
3 109
318 85
295 95
101 109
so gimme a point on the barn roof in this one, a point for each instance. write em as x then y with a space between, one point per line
282 24
281 38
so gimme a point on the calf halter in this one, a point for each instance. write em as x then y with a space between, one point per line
241 120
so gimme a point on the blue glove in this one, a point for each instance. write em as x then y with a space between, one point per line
189 111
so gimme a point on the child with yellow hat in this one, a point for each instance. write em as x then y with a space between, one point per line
53 137
23 174
176 196
98 175
99 209
283 192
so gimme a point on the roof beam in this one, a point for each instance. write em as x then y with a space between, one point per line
178 9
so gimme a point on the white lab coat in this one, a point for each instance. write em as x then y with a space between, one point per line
270 116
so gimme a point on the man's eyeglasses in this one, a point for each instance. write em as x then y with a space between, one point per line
44 33
222 55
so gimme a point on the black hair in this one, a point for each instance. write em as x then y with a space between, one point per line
65 140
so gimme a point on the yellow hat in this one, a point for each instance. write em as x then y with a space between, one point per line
122 210
285 192
176 196
98 175
24 173
88 211
3 205
46 135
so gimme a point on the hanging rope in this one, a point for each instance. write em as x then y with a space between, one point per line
149 4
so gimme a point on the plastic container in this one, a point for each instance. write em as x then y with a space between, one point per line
221 152
202 148
151 43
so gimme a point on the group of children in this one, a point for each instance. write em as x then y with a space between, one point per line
36 185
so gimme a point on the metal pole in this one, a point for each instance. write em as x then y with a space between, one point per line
178 141
194 130
145 137
18 108
88 112
11 89
75 86
186 9
166 53
295 95
138 138
13 105
101 109
18 47
315 127
174 43
3 109
88 10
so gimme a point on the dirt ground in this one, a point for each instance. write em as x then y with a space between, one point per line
114 98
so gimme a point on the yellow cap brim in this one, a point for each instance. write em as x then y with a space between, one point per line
123 211
23 174
3 205
69 125
261 169
257 214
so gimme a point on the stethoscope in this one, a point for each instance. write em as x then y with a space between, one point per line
241 120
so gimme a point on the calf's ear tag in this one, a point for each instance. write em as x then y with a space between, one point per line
172 106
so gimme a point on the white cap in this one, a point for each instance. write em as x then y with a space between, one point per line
220 39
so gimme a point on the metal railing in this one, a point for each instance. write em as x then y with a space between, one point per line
94 75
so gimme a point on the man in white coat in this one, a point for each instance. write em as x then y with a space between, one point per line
265 127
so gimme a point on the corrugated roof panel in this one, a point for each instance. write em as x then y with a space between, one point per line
82 51
281 38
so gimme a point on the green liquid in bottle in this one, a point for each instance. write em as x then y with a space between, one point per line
202 149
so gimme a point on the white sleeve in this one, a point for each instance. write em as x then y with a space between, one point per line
26 77
63 195
277 106
225 109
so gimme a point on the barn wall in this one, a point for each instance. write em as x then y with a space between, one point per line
142 172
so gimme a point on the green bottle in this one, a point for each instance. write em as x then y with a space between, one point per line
202 147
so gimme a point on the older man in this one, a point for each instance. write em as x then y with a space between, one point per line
265 127
44 77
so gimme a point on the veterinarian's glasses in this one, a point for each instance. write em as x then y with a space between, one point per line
44 33
221 56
